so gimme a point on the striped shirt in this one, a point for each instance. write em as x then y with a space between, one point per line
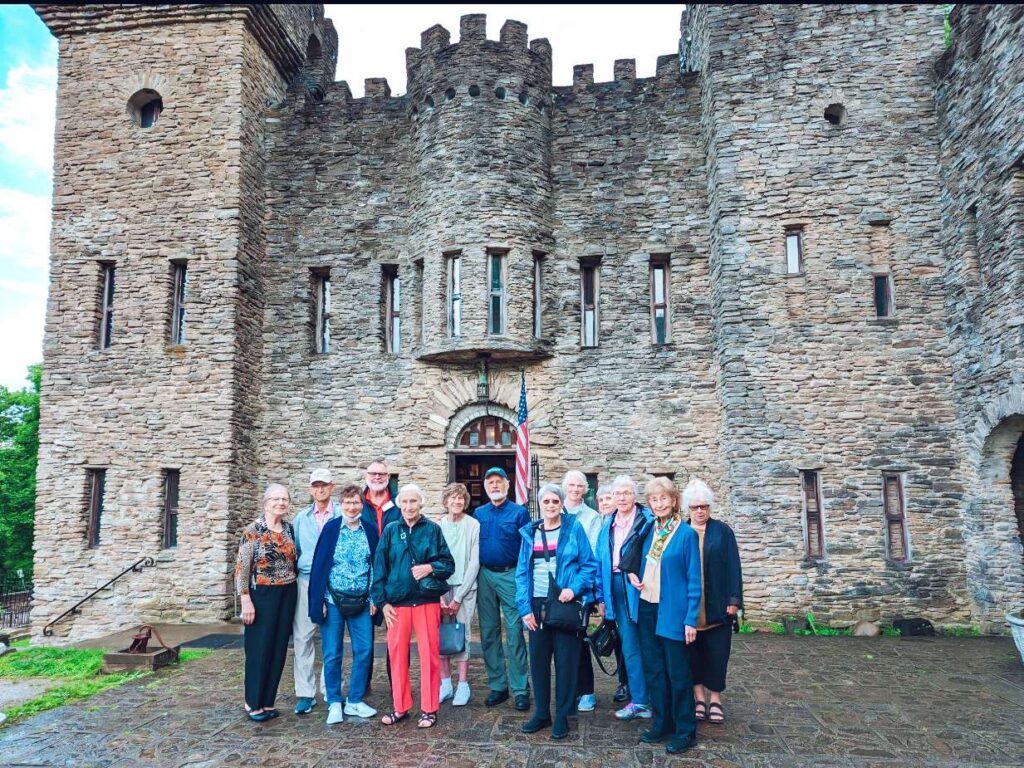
544 568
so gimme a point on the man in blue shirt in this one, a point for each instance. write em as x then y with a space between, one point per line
500 521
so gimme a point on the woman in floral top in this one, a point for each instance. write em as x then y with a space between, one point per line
265 576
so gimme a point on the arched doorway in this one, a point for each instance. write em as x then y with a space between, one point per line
486 441
1017 486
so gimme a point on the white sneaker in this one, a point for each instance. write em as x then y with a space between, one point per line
362 709
446 690
334 714
461 694
587 702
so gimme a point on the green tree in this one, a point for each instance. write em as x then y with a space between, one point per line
19 449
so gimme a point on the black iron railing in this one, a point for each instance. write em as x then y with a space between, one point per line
138 565
15 602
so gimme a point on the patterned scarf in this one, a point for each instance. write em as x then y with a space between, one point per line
661 533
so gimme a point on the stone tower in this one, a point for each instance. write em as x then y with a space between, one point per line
159 165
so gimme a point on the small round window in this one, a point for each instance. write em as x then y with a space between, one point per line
474 91
835 114
499 93
449 94
524 99
145 107
429 102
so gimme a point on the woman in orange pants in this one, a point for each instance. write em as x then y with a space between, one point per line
410 574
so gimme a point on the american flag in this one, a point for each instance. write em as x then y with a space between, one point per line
523 448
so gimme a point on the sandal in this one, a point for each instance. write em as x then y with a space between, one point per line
394 717
700 711
427 720
716 714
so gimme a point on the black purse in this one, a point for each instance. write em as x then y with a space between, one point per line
452 637
603 641
349 603
429 586
632 552
565 617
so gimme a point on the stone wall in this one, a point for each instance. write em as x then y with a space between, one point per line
980 78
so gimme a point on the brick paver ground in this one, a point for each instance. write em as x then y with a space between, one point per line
939 702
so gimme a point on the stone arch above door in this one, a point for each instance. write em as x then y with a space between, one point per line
471 413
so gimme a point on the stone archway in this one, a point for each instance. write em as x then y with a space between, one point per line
478 437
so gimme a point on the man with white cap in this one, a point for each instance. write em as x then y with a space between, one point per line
308 524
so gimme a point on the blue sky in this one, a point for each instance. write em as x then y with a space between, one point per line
372 43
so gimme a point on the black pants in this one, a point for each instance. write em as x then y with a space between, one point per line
667 673
709 657
585 673
266 642
545 643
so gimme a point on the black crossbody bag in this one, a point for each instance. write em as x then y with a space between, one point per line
565 617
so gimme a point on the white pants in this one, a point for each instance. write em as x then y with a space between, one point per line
304 636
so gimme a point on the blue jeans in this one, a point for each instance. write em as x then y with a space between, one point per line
630 634
332 634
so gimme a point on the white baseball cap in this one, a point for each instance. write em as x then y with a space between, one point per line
320 476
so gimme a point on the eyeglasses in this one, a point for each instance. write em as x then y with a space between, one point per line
376 474
700 507
277 499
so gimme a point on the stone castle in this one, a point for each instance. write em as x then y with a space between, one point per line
789 263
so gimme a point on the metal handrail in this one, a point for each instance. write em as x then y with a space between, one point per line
138 565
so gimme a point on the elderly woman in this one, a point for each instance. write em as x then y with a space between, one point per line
556 562
410 574
265 574
606 507
462 535
574 485
669 584
339 597
605 501
721 599
618 598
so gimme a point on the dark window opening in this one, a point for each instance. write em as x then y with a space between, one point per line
589 288
973 243
106 328
500 93
496 292
794 251
145 107
660 272
524 99
896 543
392 310
1017 485
474 91
179 277
429 102
455 294
590 499
321 279
172 479
95 483
538 294
449 94
487 432
883 295
814 530
835 114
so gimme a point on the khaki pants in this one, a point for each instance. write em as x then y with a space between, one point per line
304 634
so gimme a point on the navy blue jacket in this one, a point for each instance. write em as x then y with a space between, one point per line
499 533
391 514
393 583
323 561
575 564
723 577
679 601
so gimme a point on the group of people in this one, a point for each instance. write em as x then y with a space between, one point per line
666 575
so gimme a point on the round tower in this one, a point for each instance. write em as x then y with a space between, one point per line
481 112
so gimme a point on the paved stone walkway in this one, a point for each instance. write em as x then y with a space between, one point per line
791 702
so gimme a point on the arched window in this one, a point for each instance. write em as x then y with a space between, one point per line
145 107
487 432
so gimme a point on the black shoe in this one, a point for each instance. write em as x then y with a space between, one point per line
560 729
522 702
536 723
621 693
677 745
496 697
652 737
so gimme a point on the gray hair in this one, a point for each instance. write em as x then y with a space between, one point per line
604 490
551 488
625 481
413 488
697 491
574 474
271 487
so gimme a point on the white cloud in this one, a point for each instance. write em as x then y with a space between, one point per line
24 231
27 115
21 337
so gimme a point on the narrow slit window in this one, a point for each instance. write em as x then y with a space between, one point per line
589 291
496 293
794 251
538 294
392 311
95 483
455 295
659 300
321 279
814 529
106 329
179 273
973 243
883 296
172 479
897 544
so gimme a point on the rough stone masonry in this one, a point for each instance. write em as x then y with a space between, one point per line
825 203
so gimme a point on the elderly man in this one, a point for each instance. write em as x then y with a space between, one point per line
308 524
500 521
574 486
378 506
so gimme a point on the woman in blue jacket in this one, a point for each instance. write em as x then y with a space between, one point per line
556 562
669 585
342 568
721 599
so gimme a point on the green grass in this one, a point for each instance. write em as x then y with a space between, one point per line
959 630
78 669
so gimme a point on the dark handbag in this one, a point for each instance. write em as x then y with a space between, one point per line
566 617
452 636
429 586
349 603
603 641
632 552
